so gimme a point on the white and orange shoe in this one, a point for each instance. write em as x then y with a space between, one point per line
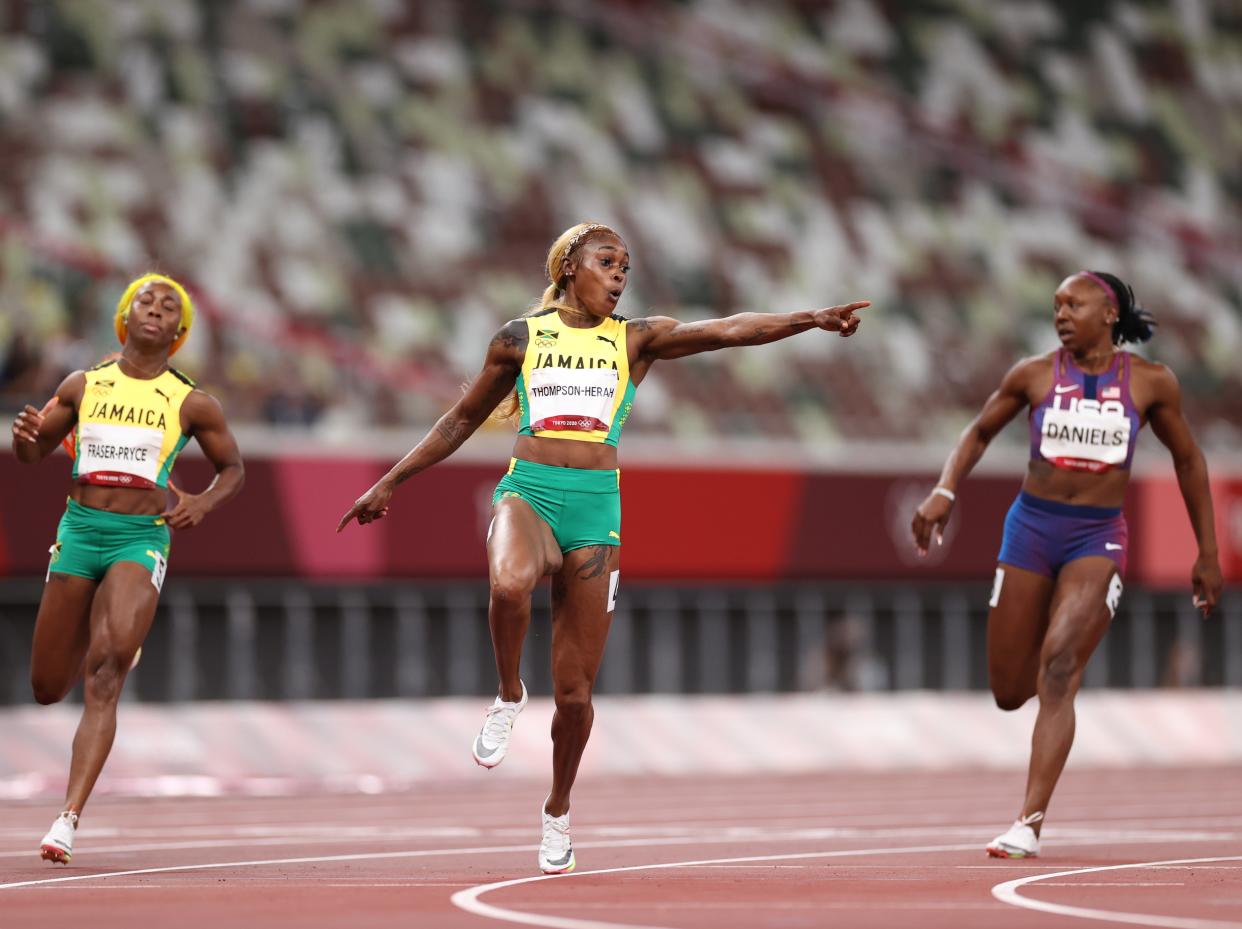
57 845
492 743
556 851
1020 841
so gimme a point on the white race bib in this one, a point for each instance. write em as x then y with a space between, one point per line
1091 439
119 451
572 400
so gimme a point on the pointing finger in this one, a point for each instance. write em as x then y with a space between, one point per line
346 518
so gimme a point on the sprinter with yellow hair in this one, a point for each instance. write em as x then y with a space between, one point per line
575 365
128 417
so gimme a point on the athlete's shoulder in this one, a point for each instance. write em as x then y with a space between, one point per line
1032 365
200 406
535 314
1163 382
106 363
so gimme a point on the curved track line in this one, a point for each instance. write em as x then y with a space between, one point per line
1008 893
372 856
469 901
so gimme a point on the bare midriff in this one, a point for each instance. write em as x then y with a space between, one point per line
129 500
566 453
1079 487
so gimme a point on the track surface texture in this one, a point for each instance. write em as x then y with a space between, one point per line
1155 847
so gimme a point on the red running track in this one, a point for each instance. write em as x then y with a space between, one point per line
836 850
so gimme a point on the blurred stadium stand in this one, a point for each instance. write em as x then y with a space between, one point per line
361 191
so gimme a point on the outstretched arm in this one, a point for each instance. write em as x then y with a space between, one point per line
36 433
663 337
490 386
1004 404
203 418
1169 425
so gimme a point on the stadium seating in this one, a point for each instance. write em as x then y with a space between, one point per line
363 190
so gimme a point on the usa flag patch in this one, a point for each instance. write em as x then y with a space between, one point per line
1111 393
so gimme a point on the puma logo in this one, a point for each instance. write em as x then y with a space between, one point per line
604 338
167 399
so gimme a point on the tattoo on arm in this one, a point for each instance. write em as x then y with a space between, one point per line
513 336
453 432
640 325
596 564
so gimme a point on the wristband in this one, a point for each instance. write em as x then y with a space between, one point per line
944 492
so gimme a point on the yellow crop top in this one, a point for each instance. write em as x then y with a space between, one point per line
129 429
575 383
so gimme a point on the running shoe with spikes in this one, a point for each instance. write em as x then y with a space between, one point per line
556 851
492 742
1019 842
57 845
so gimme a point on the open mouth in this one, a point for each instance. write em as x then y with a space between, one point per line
614 295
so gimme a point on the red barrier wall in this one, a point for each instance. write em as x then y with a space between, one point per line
679 523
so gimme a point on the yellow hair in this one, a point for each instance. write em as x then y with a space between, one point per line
564 246
127 301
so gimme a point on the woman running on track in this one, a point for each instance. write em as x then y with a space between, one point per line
129 418
1063 554
557 511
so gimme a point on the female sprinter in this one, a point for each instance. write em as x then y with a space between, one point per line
130 417
1058 577
557 511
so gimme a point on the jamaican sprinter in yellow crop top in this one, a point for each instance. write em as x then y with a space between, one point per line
128 419
566 373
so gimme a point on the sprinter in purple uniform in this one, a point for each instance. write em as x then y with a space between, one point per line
1063 556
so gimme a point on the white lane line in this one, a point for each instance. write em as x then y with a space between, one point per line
419 853
1008 893
469 901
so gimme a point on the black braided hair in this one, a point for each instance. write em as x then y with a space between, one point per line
1134 323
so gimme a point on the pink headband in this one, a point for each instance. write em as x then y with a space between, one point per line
1112 295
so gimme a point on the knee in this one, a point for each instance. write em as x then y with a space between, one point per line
574 701
1009 700
47 692
105 676
513 585
1059 674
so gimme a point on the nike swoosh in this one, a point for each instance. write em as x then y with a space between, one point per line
1065 388
1113 546
482 751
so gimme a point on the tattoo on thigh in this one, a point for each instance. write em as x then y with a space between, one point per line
596 564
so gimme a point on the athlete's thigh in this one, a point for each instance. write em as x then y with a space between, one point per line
519 540
123 611
584 596
1083 603
1017 623
62 632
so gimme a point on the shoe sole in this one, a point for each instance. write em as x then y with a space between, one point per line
55 855
996 852
572 864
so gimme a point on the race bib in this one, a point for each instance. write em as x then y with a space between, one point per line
572 400
123 456
1086 439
